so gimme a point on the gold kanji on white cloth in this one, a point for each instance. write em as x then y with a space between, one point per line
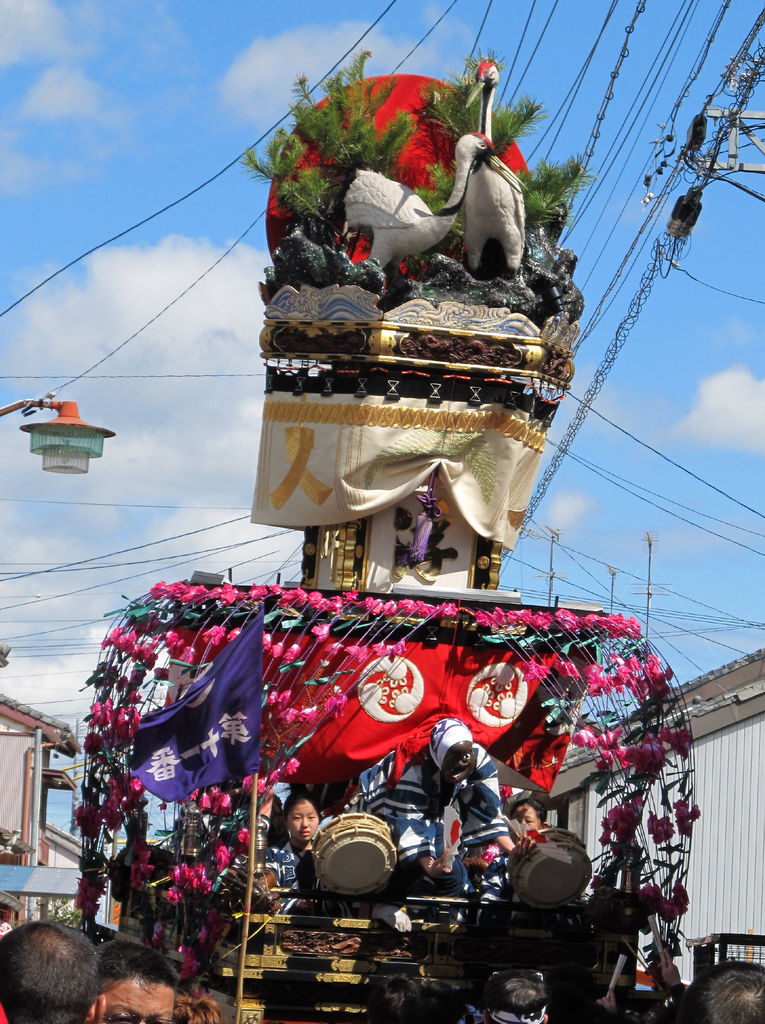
329 460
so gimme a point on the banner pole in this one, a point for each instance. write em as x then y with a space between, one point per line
247 897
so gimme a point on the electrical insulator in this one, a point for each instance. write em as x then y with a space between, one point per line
685 213
697 132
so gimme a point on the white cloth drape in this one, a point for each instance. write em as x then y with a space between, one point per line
330 460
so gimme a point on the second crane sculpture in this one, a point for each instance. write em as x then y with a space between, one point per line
402 224
494 207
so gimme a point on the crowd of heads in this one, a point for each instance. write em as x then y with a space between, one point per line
51 974
515 997
730 993
137 983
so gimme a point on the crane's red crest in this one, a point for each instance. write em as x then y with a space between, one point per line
483 69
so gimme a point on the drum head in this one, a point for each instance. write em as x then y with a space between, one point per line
354 854
556 872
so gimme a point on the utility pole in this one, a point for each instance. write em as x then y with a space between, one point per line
738 123
613 573
554 538
652 589
650 541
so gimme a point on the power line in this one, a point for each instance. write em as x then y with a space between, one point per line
589 464
192 192
667 47
670 120
162 311
564 108
125 504
432 28
106 583
641 294
641 579
124 551
662 508
57 629
481 27
609 93
672 462
592 593
606 363
511 68
129 376
723 291
143 561
534 51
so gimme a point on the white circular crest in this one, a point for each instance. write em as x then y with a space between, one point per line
497 695
390 688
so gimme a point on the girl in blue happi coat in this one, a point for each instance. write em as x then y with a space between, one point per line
292 862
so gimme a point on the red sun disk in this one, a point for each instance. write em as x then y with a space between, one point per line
427 146
455 833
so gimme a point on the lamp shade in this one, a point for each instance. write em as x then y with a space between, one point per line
67 444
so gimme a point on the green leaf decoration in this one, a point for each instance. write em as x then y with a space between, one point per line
341 136
312 166
548 186
471 447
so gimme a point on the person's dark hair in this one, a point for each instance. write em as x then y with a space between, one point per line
196 1008
297 796
127 961
277 826
401 999
532 801
728 993
569 973
48 972
573 995
520 991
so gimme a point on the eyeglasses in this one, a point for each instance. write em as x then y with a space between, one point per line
136 1018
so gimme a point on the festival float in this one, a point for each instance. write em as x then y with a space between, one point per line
419 326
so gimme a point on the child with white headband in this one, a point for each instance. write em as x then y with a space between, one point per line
515 997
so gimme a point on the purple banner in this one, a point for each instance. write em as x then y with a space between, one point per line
212 733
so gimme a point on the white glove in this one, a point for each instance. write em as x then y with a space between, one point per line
392 916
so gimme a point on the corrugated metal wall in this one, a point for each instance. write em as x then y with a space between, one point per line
12 749
726 881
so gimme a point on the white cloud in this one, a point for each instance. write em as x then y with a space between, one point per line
19 173
735 332
567 509
66 92
728 411
258 84
31 29
179 442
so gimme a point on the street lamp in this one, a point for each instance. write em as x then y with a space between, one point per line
66 444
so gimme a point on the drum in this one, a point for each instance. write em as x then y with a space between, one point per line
354 853
557 870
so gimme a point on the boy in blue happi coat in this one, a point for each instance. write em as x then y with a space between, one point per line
451 771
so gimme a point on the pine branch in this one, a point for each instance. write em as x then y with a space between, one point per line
548 186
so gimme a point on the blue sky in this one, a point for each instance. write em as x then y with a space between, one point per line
111 111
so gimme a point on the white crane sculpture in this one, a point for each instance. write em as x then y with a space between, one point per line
494 205
401 223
